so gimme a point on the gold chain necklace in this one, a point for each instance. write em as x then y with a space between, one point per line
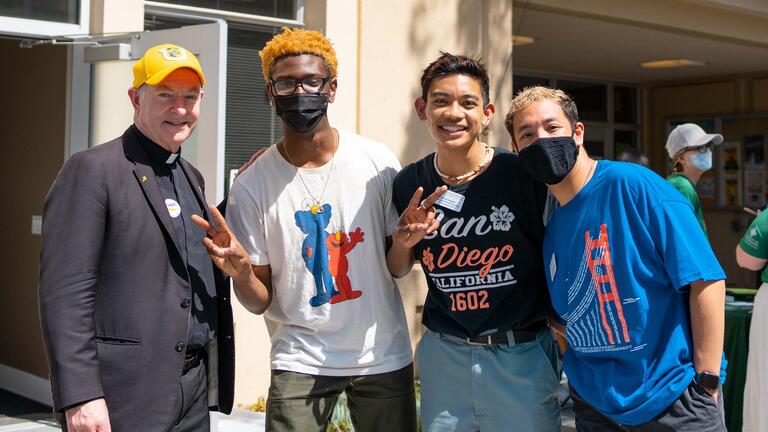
480 166
316 207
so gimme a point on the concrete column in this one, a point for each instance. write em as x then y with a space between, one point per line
497 53
338 20
116 16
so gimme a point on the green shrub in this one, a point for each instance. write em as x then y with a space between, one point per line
341 421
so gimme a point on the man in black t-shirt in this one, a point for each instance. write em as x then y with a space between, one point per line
487 360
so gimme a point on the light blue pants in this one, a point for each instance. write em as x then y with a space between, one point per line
488 388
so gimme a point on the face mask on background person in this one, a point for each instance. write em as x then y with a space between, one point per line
702 160
302 112
550 159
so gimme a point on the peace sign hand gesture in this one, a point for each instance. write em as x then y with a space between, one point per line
418 219
223 248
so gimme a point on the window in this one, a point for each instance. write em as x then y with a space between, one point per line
251 122
61 11
159 22
591 98
625 104
272 8
624 140
610 112
521 82
44 18
595 140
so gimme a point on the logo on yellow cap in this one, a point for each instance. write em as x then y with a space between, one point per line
174 53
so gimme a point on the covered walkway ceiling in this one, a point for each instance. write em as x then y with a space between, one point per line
610 46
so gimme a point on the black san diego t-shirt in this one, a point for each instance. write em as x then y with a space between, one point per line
484 265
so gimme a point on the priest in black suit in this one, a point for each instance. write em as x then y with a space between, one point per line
136 319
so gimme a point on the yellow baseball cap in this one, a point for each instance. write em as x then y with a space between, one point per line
160 60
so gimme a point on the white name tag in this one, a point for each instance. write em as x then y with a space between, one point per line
552 268
174 209
451 200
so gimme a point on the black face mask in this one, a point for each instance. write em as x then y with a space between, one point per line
302 112
549 160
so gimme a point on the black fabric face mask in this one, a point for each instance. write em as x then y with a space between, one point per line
302 112
549 160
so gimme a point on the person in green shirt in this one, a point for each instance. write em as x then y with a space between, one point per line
690 149
752 254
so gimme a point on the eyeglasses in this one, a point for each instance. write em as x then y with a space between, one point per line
289 86
701 149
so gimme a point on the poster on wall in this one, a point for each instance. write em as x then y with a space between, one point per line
754 152
754 188
730 175
731 158
706 189
731 191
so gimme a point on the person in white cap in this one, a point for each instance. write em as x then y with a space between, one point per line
690 149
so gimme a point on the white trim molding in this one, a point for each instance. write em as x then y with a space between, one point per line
159 7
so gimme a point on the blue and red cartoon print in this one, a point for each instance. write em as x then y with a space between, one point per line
325 255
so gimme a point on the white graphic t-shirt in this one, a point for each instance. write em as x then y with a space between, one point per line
335 308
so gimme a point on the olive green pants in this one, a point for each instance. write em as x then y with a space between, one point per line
380 402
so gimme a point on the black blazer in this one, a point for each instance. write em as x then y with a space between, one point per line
112 282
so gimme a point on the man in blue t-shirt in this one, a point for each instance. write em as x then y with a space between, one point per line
631 275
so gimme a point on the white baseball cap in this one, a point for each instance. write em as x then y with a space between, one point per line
689 135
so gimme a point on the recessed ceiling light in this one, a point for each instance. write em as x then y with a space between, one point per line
671 63
518 40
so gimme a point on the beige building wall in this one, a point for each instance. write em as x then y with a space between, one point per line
382 49
116 16
400 38
111 109
340 25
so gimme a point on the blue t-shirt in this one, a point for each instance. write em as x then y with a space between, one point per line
619 258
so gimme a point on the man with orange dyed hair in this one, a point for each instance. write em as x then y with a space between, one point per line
313 214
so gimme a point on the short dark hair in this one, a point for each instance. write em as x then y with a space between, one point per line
450 64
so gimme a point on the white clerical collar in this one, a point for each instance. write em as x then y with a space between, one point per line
172 158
